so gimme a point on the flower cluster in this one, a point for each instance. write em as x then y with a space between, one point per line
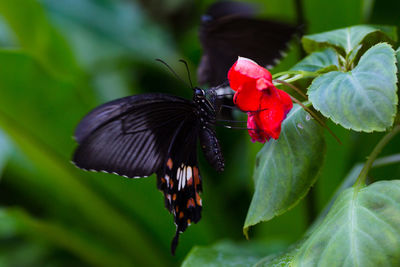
266 106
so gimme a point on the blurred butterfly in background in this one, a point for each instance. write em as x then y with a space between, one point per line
139 135
228 30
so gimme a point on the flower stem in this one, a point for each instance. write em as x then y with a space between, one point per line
293 87
360 182
294 75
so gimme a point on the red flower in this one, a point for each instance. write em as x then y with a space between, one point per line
265 105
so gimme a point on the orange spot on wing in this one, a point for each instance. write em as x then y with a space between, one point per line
181 215
171 183
190 203
190 181
188 221
170 163
163 180
174 197
196 176
198 199
177 208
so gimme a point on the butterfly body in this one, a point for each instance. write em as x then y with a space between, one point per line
139 135
207 136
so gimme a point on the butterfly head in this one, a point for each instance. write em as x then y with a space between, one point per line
199 93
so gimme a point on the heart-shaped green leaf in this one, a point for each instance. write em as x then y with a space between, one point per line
317 61
286 168
363 99
346 39
361 229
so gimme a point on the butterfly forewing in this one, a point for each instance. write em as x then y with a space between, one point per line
130 136
228 33
114 109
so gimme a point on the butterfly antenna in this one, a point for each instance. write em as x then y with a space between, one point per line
173 72
188 72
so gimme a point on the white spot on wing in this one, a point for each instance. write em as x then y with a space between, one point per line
188 172
178 177
183 178
182 175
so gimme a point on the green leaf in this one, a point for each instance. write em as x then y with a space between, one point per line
361 229
280 260
229 254
346 39
37 36
363 99
286 168
318 61
286 258
348 182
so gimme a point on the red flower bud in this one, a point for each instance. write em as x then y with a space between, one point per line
265 105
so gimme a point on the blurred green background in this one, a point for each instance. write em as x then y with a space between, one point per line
61 58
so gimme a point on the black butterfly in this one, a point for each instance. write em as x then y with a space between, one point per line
139 135
228 30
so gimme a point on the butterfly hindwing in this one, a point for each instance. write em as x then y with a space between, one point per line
180 179
130 136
